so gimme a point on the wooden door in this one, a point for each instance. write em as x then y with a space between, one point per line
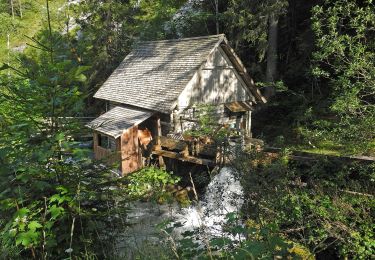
130 155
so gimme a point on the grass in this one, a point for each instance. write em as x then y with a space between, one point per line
34 18
283 136
324 147
327 147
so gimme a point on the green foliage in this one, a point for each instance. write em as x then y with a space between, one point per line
107 32
149 182
29 18
251 19
207 125
345 58
153 17
196 18
54 202
48 199
50 189
328 205
7 24
238 242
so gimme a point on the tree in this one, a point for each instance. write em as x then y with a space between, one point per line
257 23
153 18
197 18
44 176
345 61
330 214
107 32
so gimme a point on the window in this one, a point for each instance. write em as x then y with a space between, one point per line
107 142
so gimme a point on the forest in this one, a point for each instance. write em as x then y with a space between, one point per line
314 62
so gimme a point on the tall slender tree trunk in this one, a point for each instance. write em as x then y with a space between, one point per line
12 8
20 5
67 13
8 34
271 73
8 47
217 16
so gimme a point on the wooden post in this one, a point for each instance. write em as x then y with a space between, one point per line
95 145
158 124
248 124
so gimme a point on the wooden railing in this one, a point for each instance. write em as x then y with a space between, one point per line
198 152
191 151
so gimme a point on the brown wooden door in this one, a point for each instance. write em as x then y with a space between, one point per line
130 155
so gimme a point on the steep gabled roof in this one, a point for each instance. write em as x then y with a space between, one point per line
155 73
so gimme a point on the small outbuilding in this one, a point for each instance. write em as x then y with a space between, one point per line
155 94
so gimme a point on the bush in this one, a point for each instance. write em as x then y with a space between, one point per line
60 208
150 182
324 206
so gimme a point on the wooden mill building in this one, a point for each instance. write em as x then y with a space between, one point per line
160 86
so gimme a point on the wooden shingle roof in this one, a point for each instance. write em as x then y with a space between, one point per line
155 73
118 119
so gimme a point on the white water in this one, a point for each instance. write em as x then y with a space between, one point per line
223 195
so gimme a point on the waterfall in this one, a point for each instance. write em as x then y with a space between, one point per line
223 195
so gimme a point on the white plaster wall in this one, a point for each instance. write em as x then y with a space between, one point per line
216 82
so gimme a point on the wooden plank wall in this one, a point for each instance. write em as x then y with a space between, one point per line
100 153
130 152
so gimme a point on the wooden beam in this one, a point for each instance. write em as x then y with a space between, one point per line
183 158
158 125
197 121
172 144
182 146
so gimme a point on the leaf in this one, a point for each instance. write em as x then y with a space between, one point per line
22 212
56 211
62 189
220 242
82 69
34 225
27 238
41 185
256 248
80 78
231 217
238 230
60 137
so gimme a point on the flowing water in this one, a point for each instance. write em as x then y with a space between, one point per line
223 195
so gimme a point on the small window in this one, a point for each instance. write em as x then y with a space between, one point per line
103 141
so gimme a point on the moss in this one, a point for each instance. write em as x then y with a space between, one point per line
301 252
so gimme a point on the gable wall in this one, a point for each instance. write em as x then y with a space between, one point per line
216 82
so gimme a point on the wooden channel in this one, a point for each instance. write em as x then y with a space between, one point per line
184 158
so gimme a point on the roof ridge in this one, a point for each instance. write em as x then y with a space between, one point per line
187 39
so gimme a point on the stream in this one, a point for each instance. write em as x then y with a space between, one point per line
223 195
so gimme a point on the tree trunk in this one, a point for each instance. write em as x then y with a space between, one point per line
8 47
20 5
271 73
12 8
217 16
67 10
